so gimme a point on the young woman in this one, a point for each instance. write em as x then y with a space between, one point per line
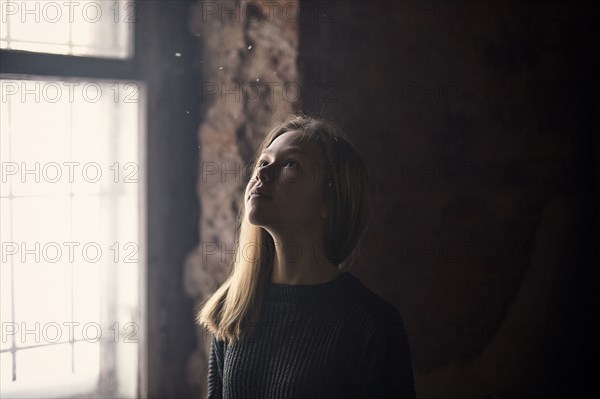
291 321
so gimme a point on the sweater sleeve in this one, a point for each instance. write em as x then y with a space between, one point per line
389 364
215 369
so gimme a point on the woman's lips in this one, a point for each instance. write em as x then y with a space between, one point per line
258 192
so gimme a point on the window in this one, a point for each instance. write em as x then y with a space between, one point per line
71 201
85 28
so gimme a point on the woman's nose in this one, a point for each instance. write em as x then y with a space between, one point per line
264 173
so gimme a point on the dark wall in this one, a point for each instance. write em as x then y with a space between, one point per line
172 164
477 122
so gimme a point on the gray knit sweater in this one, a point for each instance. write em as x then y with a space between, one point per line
332 340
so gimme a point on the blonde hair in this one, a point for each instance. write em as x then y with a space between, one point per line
233 309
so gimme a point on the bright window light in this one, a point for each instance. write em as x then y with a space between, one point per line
70 200
101 28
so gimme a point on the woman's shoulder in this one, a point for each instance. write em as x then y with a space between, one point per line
371 306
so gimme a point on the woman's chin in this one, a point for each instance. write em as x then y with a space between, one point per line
257 219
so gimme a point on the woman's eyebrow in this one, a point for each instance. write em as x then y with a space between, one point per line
289 150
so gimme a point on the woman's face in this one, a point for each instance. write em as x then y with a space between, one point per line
288 175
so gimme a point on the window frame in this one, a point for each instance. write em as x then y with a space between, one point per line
16 64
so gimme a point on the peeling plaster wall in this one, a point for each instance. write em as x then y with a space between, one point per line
475 118
248 58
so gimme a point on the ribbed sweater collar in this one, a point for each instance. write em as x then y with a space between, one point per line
295 292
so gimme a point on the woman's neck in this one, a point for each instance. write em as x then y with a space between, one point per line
318 274
301 260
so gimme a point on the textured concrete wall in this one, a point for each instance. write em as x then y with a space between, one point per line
476 120
249 52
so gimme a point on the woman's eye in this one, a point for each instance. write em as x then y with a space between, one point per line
289 162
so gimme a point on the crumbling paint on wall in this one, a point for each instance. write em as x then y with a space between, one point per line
249 52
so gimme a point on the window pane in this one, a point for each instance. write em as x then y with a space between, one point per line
4 144
70 216
86 28
45 364
5 368
5 278
59 368
42 288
